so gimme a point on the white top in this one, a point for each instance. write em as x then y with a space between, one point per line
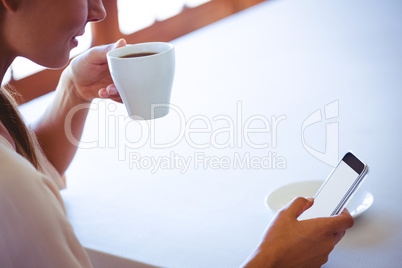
34 230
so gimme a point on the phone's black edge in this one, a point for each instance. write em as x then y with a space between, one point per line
352 190
352 161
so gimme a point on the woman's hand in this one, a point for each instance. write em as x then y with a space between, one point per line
87 77
291 243
90 76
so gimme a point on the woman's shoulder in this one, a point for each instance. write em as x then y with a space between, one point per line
11 162
14 165
19 177
16 170
33 211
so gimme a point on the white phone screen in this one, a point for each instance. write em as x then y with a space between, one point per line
332 192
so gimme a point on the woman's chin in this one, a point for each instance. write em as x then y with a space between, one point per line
57 63
56 67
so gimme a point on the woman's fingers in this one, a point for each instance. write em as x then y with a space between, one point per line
103 93
109 92
112 90
298 206
120 43
338 236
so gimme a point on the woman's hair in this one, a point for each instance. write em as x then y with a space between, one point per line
24 138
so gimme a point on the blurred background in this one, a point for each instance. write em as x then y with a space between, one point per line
135 20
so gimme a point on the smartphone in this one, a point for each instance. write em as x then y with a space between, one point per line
338 188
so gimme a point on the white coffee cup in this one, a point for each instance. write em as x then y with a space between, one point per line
144 82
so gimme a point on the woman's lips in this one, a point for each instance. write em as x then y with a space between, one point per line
74 41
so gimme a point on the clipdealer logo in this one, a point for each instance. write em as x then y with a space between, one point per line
204 135
330 155
201 160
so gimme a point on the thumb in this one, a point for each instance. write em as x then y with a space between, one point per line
97 55
298 206
121 43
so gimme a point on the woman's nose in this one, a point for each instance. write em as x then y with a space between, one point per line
96 10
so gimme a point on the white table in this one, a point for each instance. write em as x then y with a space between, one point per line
280 61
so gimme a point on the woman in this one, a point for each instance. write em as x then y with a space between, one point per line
34 230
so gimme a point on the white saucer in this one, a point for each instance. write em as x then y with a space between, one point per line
280 197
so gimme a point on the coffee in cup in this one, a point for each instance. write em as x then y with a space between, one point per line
143 75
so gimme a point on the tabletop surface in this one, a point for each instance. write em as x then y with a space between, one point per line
269 96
